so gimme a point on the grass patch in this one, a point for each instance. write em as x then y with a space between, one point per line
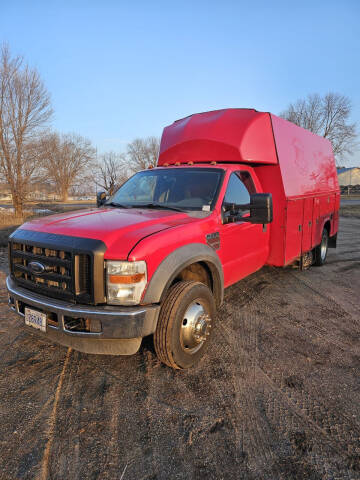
8 223
8 218
351 196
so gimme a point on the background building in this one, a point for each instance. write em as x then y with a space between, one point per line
349 176
349 179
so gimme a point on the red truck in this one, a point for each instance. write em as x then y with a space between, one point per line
233 190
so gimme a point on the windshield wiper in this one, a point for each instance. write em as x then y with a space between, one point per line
158 205
119 205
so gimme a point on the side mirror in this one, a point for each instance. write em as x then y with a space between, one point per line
100 198
261 208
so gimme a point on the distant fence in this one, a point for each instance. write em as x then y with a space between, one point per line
350 189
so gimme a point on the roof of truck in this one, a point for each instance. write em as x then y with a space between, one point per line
234 134
244 135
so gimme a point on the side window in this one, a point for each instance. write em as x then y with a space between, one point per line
239 188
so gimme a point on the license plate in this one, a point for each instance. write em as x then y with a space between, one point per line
35 319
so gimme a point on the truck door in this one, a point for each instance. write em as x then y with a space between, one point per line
244 246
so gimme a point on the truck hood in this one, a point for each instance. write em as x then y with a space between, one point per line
120 229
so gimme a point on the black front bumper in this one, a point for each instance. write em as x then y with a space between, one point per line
119 329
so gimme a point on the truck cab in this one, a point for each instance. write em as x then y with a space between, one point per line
234 190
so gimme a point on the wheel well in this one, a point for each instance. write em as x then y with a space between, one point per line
196 272
328 226
205 273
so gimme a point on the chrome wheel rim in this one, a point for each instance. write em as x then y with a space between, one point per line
323 247
195 327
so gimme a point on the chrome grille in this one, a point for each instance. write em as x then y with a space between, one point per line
65 274
72 268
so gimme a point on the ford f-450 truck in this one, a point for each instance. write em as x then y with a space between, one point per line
233 190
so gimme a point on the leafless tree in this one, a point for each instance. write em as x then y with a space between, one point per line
143 153
111 171
66 159
24 109
327 116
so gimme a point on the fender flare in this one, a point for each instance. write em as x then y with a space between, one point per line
180 258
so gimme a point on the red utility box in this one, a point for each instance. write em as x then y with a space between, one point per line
295 165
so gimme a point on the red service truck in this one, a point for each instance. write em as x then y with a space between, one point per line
233 190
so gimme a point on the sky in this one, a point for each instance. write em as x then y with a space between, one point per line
117 70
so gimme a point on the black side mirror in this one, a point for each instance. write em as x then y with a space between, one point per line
100 198
261 208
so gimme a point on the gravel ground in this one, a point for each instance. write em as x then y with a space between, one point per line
276 397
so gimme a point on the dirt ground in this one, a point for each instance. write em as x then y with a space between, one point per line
276 397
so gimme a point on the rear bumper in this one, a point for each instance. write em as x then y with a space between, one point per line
118 330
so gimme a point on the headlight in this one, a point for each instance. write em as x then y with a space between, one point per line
125 282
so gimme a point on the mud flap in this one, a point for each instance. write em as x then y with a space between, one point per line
332 241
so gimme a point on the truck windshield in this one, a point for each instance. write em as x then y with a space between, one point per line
177 188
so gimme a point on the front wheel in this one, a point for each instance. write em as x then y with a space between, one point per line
185 324
322 249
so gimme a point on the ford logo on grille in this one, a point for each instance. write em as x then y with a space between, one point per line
36 267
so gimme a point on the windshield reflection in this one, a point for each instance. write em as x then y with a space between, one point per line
175 188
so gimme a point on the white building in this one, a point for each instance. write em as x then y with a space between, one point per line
349 176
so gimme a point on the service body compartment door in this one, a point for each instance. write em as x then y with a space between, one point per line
316 234
293 229
307 225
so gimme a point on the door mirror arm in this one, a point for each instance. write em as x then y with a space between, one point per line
260 206
231 212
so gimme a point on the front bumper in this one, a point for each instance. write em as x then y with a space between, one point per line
119 330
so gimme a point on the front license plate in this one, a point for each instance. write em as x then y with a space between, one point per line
35 319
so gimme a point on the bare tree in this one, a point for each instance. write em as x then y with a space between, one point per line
66 158
143 153
111 171
24 110
327 116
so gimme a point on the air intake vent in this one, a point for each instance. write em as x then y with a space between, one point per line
82 274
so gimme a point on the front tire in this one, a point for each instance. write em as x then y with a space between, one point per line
185 323
322 249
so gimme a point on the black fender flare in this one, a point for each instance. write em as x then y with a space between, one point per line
176 261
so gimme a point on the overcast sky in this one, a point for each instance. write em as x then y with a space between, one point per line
121 69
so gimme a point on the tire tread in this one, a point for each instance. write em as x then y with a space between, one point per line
165 322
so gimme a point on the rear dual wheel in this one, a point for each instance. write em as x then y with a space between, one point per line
185 324
322 249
